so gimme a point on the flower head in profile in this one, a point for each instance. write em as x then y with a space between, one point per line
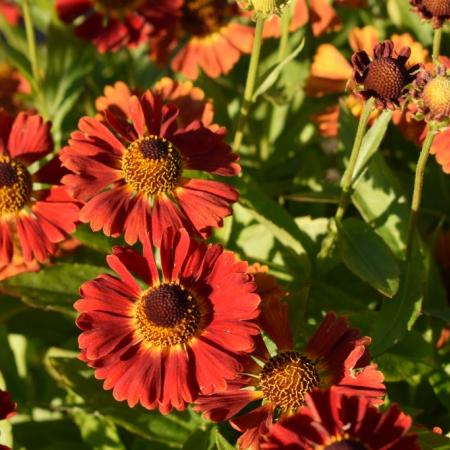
207 36
265 8
163 340
438 11
431 92
275 385
131 173
114 24
332 421
386 76
35 213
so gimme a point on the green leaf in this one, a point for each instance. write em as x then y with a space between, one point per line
398 315
97 431
431 441
222 443
54 288
440 382
381 201
277 220
73 375
96 241
270 79
367 256
371 142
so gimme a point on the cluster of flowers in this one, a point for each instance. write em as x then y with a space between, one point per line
193 332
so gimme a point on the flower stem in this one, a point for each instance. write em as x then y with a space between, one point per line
33 56
348 175
437 39
250 83
417 194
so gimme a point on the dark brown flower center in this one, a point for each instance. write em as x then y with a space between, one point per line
386 77
118 7
152 165
167 315
15 186
346 444
204 17
437 7
286 378
436 96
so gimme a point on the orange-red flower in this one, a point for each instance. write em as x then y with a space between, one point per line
114 24
164 340
10 11
336 355
189 99
331 421
131 173
12 86
32 218
210 36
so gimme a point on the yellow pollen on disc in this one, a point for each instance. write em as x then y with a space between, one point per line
167 315
15 186
436 96
286 378
152 165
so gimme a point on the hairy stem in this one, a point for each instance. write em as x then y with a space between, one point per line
437 40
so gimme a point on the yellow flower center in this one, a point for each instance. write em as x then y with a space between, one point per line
152 165
386 77
204 17
436 96
267 8
437 7
168 315
15 186
286 378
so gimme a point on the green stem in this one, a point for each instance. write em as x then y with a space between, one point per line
348 175
417 194
33 57
250 83
437 40
284 39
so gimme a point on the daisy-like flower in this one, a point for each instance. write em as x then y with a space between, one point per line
161 342
211 37
189 99
34 214
438 11
386 76
10 11
131 174
335 355
114 24
431 92
331 421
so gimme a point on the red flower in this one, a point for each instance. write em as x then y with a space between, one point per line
32 218
114 24
7 409
10 12
211 36
191 101
131 173
182 335
335 355
331 421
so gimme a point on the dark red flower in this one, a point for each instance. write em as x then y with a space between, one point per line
438 11
336 355
114 24
131 174
332 421
161 342
7 410
209 37
386 76
32 218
